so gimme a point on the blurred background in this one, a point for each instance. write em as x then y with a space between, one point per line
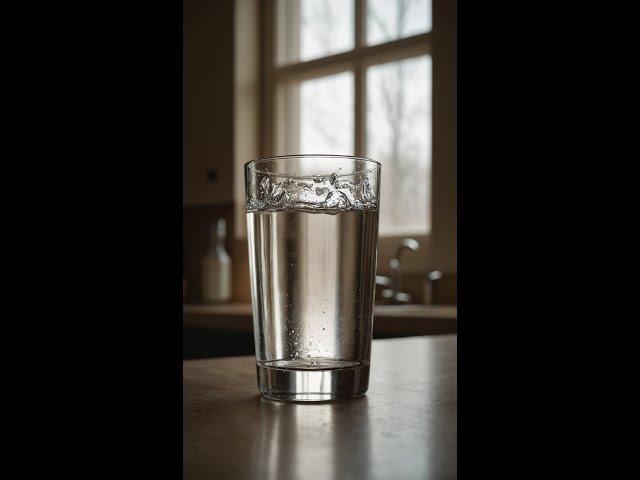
375 78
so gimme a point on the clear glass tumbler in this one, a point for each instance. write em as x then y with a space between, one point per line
313 231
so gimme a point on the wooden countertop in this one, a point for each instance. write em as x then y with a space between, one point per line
388 319
404 427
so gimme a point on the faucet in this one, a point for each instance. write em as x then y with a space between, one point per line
397 297
429 293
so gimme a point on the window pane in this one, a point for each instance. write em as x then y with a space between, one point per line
399 136
309 29
392 19
316 116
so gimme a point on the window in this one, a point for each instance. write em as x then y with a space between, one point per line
354 77
399 136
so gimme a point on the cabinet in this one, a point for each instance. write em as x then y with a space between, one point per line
207 94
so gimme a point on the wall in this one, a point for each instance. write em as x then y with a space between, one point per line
445 127
220 109
208 101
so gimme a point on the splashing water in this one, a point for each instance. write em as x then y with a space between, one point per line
320 193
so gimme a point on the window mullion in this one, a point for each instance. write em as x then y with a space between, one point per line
359 73
269 86
360 90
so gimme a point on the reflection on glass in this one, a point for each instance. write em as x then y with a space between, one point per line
392 19
316 116
310 29
399 136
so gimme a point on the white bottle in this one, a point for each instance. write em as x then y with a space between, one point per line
216 267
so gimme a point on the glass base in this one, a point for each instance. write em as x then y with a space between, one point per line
312 384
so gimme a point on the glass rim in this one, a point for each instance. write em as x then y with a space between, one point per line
258 160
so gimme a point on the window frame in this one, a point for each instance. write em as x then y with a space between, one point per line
439 246
357 60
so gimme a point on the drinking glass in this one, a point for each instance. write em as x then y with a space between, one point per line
312 223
